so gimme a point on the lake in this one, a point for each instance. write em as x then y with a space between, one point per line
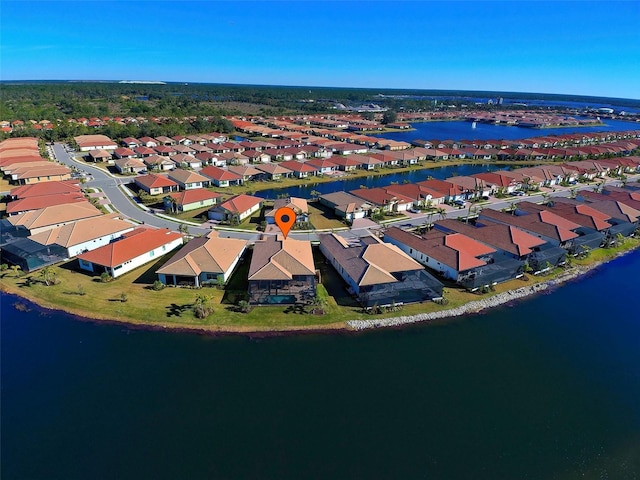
544 389
372 181
460 130
455 130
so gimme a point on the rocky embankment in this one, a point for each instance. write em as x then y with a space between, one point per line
471 307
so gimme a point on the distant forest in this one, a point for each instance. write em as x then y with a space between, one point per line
208 103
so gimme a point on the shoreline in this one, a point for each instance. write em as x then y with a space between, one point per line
345 327
482 305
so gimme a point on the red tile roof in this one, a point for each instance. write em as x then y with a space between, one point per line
216 173
155 181
240 203
138 242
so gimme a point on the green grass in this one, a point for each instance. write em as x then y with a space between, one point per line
322 217
171 307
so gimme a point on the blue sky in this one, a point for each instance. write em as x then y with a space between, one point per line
575 47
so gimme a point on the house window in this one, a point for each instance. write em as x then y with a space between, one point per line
164 248
152 253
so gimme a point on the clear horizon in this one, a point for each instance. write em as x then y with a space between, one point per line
564 48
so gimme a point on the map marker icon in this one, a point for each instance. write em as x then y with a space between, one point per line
285 218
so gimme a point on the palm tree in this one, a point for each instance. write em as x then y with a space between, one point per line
472 209
442 213
16 269
183 229
545 198
202 306
48 275
429 218
598 187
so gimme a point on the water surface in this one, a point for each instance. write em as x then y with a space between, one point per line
544 389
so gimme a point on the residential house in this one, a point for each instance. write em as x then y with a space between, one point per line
383 200
422 197
84 235
186 161
134 249
548 226
298 205
100 156
203 260
282 271
94 142
221 177
36 221
457 257
346 163
129 165
247 172
45 189
346 206
497 182
378 273
192 199
274 171
236 209
323 165
187 179
124 152
158 163
472 187
507 240
22 205
155 184
300 169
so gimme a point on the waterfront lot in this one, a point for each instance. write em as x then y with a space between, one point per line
85 295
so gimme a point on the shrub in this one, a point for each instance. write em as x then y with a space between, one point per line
105 277
157 286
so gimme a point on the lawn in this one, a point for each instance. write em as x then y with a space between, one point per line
322 217
84 294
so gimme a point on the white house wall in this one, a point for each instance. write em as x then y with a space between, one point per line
95 243
145 258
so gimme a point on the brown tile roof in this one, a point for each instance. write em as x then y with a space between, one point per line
369 261
245 170
138 242
54 215
275 258
194 195
185 176
273 169
93 140
82 231
211 254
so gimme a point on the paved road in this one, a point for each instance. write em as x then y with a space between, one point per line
124 204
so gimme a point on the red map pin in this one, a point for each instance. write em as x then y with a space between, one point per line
285 218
